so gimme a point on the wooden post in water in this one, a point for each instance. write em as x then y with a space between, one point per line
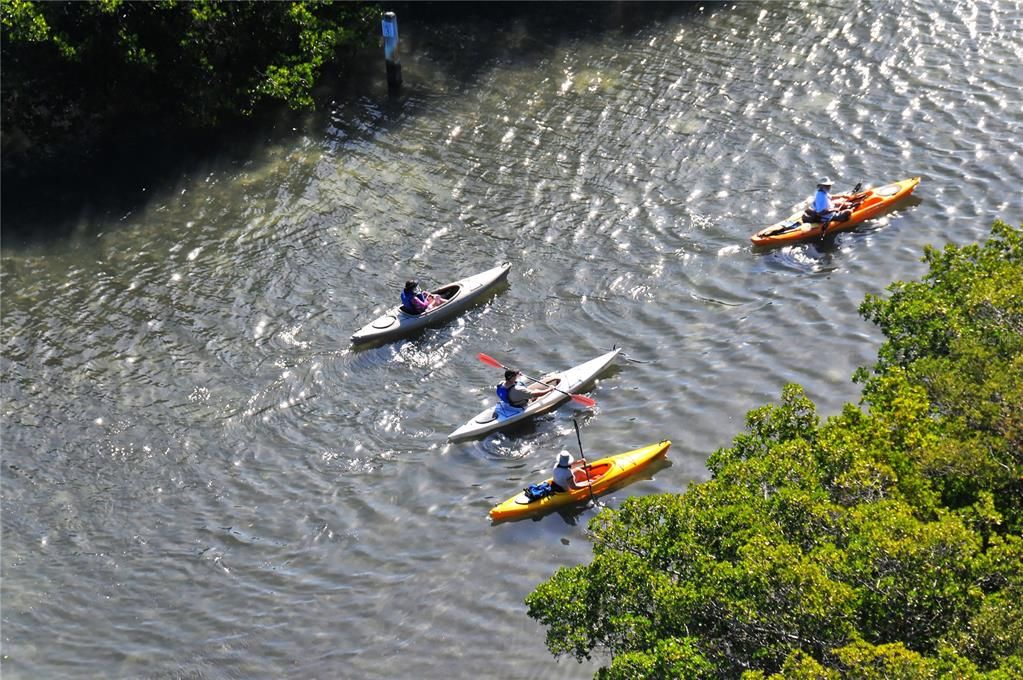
390 29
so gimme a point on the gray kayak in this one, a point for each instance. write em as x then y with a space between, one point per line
570 380
458 295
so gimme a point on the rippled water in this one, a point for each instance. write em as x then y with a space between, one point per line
201 479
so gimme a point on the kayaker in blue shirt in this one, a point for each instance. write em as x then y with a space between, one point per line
824 206
416 301
515 396
822 203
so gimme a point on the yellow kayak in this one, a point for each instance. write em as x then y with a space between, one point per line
603 474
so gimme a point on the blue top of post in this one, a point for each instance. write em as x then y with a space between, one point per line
389 25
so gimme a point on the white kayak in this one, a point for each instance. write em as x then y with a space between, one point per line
458 295
570 380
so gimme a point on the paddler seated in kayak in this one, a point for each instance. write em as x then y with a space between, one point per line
514 395
564 476
415 301
825 208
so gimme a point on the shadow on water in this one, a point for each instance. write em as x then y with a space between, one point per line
117 177
524 429
113 179
124 171
504 32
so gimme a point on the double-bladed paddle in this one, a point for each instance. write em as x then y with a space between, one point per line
491 361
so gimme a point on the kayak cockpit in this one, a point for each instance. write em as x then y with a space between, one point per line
592 473
448 293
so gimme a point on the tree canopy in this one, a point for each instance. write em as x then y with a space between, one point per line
72 67
882 542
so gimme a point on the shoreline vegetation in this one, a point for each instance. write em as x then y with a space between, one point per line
80 76
884 542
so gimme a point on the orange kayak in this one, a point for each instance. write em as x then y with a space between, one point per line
864 205
603 474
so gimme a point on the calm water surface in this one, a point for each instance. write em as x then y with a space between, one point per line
202 479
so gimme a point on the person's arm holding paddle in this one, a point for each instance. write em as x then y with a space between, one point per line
540 386
520 394
491 361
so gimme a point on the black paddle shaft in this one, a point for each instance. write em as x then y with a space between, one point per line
582 456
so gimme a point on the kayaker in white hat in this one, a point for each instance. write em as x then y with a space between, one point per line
822 203
564 479
825 207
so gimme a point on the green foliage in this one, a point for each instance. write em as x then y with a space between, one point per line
881 543
865 661
795 418
914 579
798 666
995 631
671 658
958 337
971 292
23 21
193 63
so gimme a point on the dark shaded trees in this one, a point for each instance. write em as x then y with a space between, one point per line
73 70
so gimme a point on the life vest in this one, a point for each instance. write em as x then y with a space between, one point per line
538 491
413 302
504 394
